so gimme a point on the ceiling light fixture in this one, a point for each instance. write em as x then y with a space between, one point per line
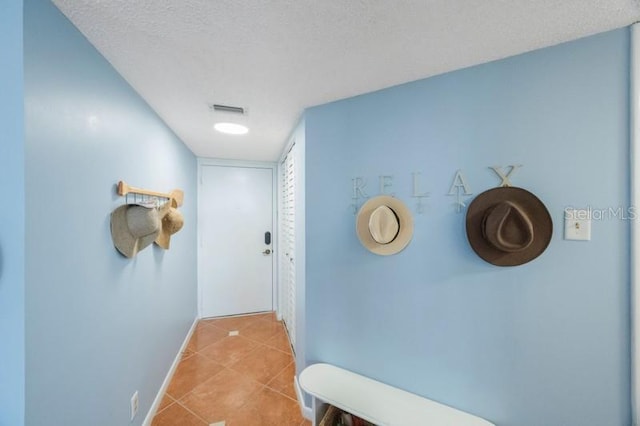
231 128
229 119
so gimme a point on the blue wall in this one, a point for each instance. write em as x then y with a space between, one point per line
98 326
12 279
546 343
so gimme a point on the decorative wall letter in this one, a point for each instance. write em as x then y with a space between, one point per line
417 194
505 176
385 182
459 188
358 192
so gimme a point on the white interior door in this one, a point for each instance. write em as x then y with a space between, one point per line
235 263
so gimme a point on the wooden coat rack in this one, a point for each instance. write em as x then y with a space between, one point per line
176 196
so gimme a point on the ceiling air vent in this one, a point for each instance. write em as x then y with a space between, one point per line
229 119
227 108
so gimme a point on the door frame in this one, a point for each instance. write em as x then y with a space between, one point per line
634 249
209 162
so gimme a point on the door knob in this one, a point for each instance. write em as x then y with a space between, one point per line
267 251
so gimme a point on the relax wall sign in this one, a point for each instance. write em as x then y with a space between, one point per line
459 187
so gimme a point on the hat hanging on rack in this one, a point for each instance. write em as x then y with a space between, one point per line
172 222
508 226
134 227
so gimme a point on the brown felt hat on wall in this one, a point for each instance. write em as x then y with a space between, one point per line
384 225
508 226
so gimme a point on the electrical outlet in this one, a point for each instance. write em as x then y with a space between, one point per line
134 405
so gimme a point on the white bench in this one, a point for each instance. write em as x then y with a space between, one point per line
376 402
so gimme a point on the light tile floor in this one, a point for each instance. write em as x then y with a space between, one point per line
241 380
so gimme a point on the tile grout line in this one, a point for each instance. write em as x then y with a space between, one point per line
209 378
251 377
248 399
254 350
166 395
278 349
248 354
177 401
245 338
280 393
211 322
275 377
260 345
236 361
263 343
186 408
266 387
173 401
214 326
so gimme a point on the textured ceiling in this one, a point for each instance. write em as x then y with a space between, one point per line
277 57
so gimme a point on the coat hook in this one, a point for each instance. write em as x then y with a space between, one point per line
175 197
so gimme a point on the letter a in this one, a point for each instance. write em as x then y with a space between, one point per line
459 182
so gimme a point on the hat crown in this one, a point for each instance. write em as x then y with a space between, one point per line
142 221
383 225
508 227
173 221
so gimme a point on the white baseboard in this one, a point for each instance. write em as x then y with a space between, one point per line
156 402
307 412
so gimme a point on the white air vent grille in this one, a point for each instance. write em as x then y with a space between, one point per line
227 108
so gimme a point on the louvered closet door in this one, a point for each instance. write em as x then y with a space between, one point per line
287 246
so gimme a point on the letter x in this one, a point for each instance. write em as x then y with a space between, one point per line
505 176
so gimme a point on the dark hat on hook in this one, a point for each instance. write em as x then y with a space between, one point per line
508 226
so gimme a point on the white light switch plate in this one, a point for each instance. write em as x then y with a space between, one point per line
577 224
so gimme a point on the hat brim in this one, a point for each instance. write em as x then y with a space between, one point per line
127 244
536 212
124 242
164 237
405 222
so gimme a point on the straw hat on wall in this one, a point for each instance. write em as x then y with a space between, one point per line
134 227
172 222
384 225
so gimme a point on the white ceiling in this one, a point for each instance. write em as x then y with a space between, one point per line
277 57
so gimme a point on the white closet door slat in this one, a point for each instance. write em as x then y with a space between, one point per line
287 264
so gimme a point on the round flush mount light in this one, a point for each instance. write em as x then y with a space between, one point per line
231 128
